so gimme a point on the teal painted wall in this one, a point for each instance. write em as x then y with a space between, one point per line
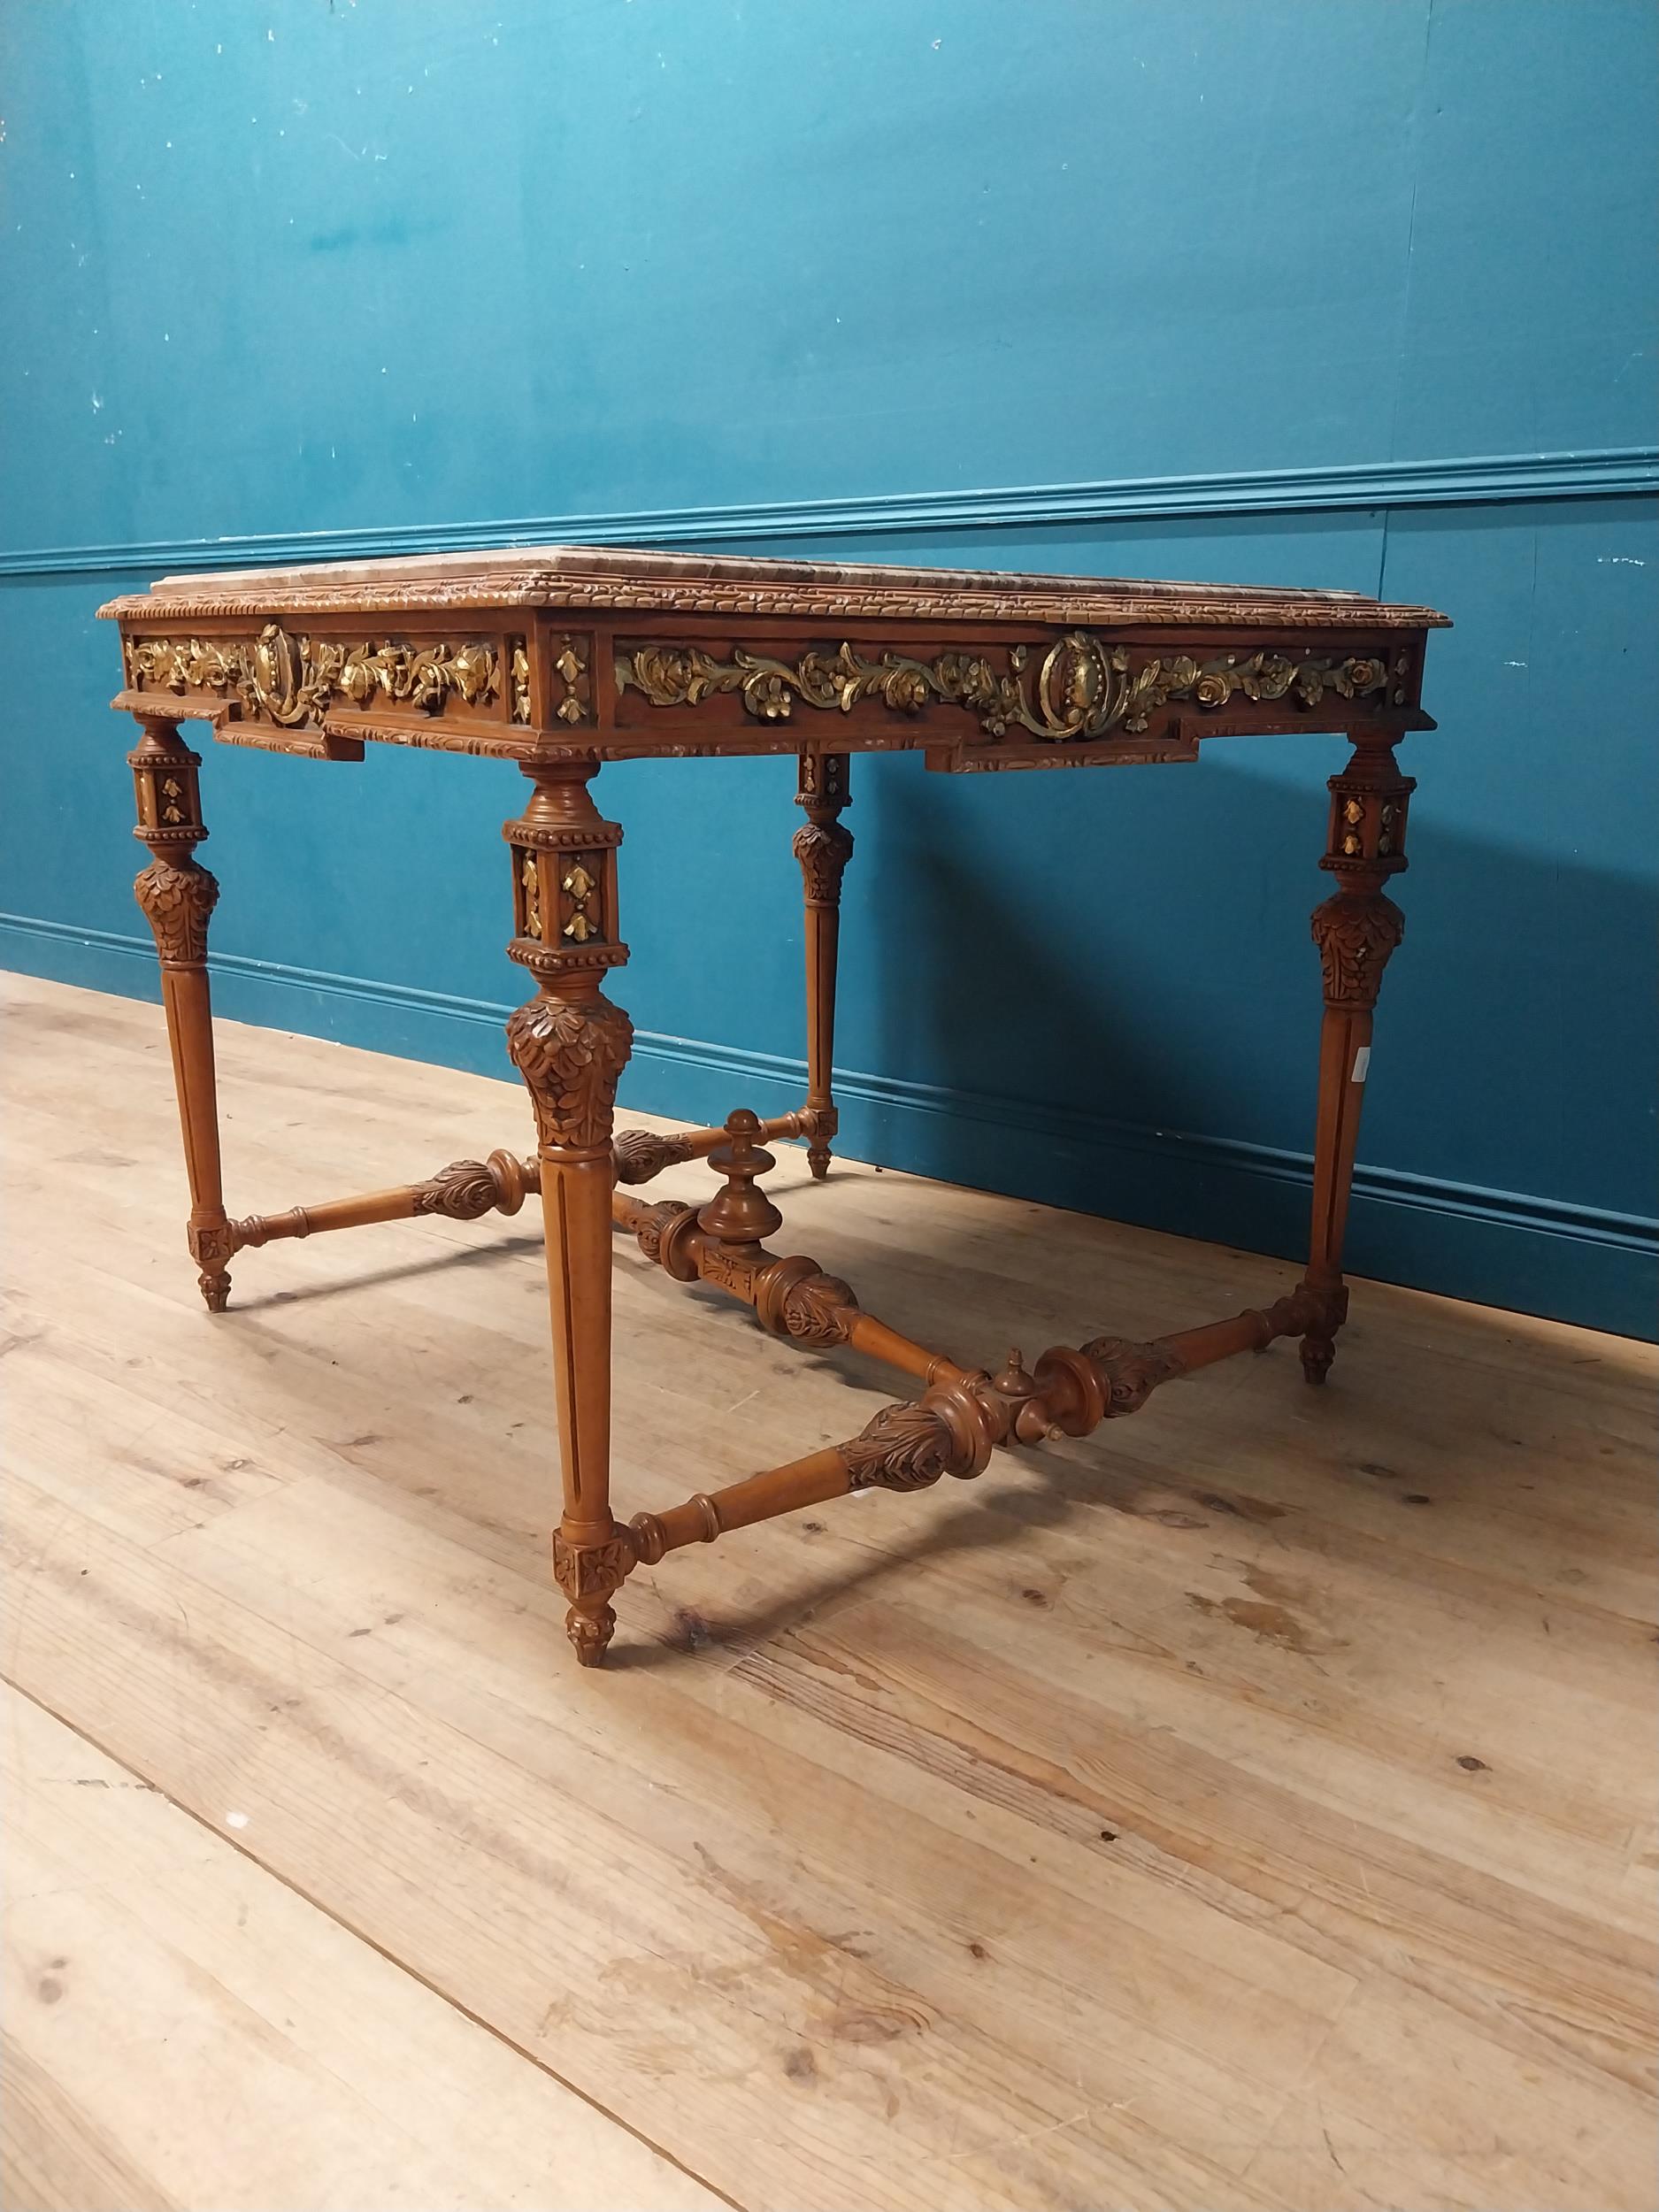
1350 296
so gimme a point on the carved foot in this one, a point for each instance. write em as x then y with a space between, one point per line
211 1244
1327 1311
590 1574
591 1627
822 1122
1318 1352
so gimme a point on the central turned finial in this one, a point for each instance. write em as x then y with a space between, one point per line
742 1214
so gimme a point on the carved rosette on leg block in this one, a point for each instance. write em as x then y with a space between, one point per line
590 1575
1356 930
570 1044
177 897
823 846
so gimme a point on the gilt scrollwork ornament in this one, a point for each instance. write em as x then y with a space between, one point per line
422 676
1357 932
190 664
1079 689
570 1053
1214 683
291 678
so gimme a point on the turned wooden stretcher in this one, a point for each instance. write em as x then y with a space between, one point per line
562 658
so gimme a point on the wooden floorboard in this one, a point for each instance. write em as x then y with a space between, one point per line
1253 1806
193 2032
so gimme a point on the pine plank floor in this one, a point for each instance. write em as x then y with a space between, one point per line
1253 1807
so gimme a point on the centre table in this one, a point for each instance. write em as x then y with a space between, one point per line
563 658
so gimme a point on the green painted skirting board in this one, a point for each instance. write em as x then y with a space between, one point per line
1500 1248
1470 480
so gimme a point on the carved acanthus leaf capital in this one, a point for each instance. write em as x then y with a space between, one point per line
177 902
570 1053
823 849
1355 932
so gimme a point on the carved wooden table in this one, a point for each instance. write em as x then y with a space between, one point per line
563 658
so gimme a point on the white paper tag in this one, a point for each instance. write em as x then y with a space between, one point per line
1362 1065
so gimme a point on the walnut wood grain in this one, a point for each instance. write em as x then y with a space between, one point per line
574 653
570 1044
563 658
1358 930
177 897
464 1191
956 1424
823 846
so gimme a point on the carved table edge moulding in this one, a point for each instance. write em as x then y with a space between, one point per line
563 657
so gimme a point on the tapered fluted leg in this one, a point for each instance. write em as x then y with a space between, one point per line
823 847
570 1044
177 897
1356 929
